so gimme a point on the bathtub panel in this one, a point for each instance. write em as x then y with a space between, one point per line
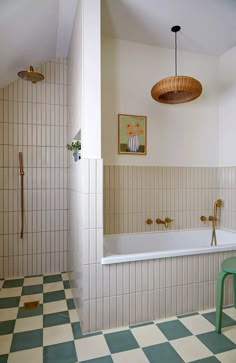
144 305
132 309
151 313
150 277
113 279
126 278
144 276
138 306
113 311
120 313
126 309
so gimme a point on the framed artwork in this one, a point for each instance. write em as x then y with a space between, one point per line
132 134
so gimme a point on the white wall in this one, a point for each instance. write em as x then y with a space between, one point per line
227 109
85 181
177 135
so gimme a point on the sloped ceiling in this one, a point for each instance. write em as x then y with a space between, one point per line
33 32
207 26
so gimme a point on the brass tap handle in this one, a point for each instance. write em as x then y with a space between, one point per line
167 221
149 221
203 219
212 219
160 221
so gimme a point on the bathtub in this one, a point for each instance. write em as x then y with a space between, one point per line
153 245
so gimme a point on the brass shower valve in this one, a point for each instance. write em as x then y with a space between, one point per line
203 219
149 221
165 222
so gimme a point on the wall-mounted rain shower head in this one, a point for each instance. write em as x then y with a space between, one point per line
31 75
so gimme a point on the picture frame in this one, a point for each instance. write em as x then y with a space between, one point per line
132 134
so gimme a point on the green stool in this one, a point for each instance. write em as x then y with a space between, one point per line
228 266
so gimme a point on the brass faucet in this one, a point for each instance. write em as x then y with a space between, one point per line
149 221
165 222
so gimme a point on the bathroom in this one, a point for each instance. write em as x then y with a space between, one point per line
69 206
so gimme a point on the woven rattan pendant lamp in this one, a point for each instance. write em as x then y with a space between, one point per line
176 89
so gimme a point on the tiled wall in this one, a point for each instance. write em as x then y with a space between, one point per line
33 119
128 293
134 193
227 191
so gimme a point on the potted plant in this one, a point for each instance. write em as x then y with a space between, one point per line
75 147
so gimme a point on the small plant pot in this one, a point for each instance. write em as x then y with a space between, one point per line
76 155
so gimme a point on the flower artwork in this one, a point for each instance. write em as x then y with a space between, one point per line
132 134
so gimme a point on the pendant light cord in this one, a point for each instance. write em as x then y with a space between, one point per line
175 53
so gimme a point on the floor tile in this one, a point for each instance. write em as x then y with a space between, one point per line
8 314
216 343
27 340
197 324
52 278
12 292
53 286
13 283
174 329
54 307
148 335
65 276
7 327
227 357
23 313
30 355
69 294
9 302
231 312
37 280
31 323
92 347
56 319
53 296
73 315
190 348
66 284
141 324
165 353
77 332
4 358
31 290
212 359
230 332
70 304
57 334
107 359
130 356
226 319
60 353
120 341
5 343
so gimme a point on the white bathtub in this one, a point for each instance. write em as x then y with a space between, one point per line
148 246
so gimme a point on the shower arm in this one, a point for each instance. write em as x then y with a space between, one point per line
21 193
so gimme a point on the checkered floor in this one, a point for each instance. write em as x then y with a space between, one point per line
51 333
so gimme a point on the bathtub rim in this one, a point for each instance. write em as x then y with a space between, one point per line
112 259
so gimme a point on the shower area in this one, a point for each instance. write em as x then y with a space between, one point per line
33 135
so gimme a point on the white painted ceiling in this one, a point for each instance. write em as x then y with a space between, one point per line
208 26
33 32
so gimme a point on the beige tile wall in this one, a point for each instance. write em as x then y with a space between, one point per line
127 293
134 193
33 119
227 191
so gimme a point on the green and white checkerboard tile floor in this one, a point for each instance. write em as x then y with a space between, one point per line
51 333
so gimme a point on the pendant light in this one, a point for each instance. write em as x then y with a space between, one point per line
176 89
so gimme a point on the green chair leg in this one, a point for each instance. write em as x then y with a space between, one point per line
219 299
235 291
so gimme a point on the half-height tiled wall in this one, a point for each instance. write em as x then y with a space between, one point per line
33 120
227 192
132 194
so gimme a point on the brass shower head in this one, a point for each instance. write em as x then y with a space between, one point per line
219 203
31 75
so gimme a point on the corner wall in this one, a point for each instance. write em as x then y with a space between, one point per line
85 180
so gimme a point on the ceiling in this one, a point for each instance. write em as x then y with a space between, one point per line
207 26
33 32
